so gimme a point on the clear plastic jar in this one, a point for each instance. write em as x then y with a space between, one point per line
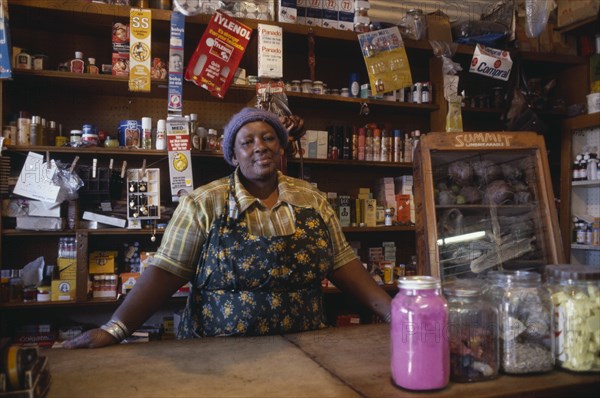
575 294
525 315
420 356
415 24
472 330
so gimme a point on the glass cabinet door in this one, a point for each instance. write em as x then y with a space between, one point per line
485 206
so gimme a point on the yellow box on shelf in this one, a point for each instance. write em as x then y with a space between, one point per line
67 268
63 289
102 262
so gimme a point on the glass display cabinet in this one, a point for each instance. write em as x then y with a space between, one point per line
484 201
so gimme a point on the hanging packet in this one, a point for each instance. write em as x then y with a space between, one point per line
218 54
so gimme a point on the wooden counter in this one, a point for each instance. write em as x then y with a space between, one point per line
336 362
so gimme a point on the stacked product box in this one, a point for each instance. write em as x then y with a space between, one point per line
63 289
404 198
314 144
333 14
287 11
102 269
385 192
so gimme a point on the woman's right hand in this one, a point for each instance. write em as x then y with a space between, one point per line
94 338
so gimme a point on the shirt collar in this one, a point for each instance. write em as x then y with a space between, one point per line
288 192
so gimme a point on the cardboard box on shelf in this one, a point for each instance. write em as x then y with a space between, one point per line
63 289
67 268
438 27
109 220
569 11
41 223
102 262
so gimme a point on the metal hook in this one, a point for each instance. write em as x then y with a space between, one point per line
364 109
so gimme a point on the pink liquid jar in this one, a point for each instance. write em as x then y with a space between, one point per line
419 325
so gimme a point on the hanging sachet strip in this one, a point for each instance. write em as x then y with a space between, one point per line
175 92
140 28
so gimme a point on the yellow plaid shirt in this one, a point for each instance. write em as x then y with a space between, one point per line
188 229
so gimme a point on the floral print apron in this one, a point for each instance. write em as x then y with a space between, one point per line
254 285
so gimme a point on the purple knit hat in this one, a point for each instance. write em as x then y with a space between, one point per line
245 116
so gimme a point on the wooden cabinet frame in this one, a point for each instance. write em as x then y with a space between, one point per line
470 145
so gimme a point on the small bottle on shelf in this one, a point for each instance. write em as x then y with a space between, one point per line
377 145
146 133
369 145
583 168
161 135
398 146
92 68
77 65
34 130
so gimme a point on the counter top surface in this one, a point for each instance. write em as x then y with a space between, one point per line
334 362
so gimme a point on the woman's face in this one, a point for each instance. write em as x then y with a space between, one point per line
257 151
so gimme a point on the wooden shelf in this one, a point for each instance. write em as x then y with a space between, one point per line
20 232
101 231
577 246
118 85
584 24
582 121
382 228
585 184
347 162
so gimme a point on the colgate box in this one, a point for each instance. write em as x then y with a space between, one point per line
218 54
491 62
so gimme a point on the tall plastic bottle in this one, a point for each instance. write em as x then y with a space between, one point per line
161 135
146 133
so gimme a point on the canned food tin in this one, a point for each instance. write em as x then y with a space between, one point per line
60 140
91 139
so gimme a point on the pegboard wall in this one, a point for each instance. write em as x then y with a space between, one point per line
586 199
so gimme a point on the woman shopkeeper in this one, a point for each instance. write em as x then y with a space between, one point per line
255 246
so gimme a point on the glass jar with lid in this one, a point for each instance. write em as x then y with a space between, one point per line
525 318
575 294
420 355
306 86
295 86
472 330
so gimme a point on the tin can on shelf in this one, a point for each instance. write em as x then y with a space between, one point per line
575 294
420 356
472 330
525 318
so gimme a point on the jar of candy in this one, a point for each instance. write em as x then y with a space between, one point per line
472 330
420 356
575 294
525 318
